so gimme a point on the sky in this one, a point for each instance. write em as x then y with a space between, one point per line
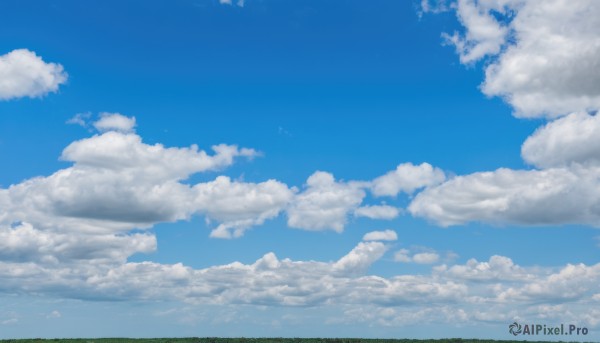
299 168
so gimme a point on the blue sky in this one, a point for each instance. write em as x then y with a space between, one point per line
205 168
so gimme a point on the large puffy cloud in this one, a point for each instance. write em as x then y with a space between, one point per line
571 139
527 197
544 64
53 243
544 53
126 152
117 183
239 205
325 203
24 74
563 191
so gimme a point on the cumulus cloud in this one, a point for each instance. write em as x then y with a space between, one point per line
114 122
544 55
70 234
570 283
484 35
377 212
118 183
498 268
25 74
239 205
125 152
324 203
407 178
387 235
562 142
526 197
543 63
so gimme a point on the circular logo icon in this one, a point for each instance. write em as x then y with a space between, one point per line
515 328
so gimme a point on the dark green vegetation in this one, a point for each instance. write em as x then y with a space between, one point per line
258 340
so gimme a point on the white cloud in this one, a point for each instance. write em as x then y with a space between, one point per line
119 183
544 53
120 152
360 258
426 257
387 235
24 74
542 61
80 119
484 34
402 255
527 197
407 178
69 235
114 122
239 205
570 283
469 290
571 139
497 268
564 191
324 203
377 212
24 243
